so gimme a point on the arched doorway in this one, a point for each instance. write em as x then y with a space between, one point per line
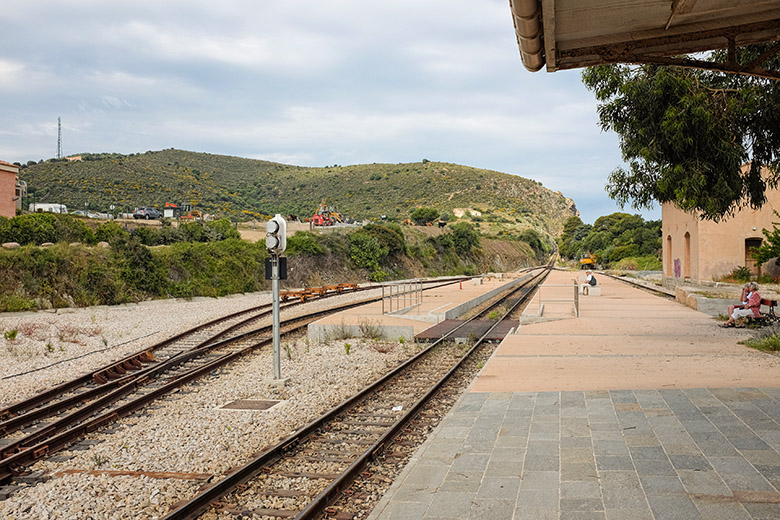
669 267
687 257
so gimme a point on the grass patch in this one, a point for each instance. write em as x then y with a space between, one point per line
766 339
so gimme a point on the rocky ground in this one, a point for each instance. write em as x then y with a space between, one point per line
186 432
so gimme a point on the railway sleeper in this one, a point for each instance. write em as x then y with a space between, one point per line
283 493
336 460
306 474
366 423
253 513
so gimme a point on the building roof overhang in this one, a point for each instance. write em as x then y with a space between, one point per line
567 34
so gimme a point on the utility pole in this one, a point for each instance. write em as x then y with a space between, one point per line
276 269
59 138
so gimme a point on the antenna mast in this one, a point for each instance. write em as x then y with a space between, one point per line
59 138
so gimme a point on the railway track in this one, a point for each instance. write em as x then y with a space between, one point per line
308 470
39 426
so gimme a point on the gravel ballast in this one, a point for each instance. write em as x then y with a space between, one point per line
185 432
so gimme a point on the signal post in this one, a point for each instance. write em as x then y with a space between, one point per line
275 270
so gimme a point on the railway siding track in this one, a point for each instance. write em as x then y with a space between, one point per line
94 400
308 470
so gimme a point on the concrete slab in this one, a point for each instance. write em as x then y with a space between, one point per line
629 339
406 315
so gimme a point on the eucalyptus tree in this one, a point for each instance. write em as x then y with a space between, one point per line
685 134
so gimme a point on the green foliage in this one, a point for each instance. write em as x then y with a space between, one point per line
197 231
766 339
534 239
221 229
389 236
686 133
422 216
464 238
10 335
138 269
639 263
39 228
129 270
304 243
109 231
58 276
213 268
365 250
246 189
611 239
770 248
570 242
740 274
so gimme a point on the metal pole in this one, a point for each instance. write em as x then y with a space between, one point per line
383 300
576 299
275 291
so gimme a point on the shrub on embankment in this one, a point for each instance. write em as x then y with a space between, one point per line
73 274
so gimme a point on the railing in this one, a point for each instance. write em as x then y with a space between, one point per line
575 300
404 295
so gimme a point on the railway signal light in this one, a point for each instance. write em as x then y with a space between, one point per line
276 235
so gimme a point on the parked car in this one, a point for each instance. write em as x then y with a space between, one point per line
146 213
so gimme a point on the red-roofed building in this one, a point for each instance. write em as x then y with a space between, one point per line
10 190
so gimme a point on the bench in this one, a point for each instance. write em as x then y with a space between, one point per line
765 319
593 290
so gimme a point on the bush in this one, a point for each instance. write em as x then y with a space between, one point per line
221 229
766 339
740 274
464 238
109 231
304 243
365 250
138 269
34 228
533 239
639 263
214 268
621 252
389 236
422 216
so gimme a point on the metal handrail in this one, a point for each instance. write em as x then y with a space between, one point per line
576 299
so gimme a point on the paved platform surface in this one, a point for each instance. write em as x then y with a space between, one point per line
641 408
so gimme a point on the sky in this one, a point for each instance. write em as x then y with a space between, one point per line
299 82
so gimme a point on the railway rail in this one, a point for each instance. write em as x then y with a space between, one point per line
39 426
308 470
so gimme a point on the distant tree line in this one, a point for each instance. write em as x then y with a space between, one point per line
612 239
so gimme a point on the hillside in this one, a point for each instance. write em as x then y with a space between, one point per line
246 188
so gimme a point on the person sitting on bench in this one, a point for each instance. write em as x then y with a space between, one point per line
590 281
752 308
743 299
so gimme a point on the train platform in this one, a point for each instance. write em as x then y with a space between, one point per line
406 311
639 408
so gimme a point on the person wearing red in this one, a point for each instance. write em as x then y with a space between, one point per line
743 299
751 308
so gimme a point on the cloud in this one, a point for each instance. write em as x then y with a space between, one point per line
304 82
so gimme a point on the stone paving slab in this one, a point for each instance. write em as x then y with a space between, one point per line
718 456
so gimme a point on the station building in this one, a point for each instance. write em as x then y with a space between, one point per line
11 189
702 250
